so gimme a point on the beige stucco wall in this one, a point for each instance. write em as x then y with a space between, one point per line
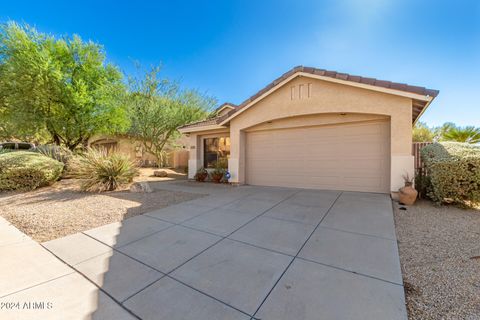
177 158
326 97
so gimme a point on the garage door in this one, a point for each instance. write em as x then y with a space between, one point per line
351 157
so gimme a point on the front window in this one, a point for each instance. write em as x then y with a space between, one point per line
216 152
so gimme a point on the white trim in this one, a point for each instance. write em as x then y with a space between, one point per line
329 79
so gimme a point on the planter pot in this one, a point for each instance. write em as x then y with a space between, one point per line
200 177
217 177
407 195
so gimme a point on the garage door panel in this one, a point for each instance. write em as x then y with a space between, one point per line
328 166
342 157
323 144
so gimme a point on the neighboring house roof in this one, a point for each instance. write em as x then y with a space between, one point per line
214 120
226 105
421 96
205 123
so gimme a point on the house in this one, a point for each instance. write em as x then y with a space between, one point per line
123 144
313 128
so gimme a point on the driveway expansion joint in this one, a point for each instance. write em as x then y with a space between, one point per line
92 282
296 255
358 233
349 271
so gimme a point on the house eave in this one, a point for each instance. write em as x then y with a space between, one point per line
201 128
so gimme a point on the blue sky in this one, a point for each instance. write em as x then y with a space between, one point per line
231 49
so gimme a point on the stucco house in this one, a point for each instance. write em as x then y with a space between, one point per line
313 128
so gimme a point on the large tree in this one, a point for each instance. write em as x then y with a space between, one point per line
158 107
422 133
61 86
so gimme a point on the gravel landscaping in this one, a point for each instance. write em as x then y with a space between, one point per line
52 212
440 257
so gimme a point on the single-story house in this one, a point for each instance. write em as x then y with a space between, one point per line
313 128
175 157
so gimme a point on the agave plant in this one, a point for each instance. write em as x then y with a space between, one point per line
100 171
59 153
468 134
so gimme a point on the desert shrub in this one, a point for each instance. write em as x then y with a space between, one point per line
422 183
453 170
100 171
55 152
24 170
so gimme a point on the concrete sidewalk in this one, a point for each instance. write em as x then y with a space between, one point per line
37 285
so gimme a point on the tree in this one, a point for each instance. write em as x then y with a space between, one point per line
158 107
61 86
441 130
467 134
422 133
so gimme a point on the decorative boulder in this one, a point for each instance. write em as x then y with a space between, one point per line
141 187
160 173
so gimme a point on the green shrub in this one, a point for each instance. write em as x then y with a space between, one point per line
422 183
24 170
453 170
100 171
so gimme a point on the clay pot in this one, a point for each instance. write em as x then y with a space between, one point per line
200 177
217 177
407 195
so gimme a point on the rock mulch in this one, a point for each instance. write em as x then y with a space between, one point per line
440 257
52 212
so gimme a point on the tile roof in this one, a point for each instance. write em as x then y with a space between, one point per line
418 105
226 104
206 122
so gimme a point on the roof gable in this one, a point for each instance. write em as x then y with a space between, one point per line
421 97
225 108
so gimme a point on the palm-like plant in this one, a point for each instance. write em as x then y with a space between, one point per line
468 134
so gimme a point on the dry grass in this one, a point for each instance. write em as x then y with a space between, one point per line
439 247
62 209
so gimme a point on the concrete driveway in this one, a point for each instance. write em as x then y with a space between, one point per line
243 253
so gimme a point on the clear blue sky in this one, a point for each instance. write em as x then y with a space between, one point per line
231 49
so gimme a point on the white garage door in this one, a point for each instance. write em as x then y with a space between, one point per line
353 157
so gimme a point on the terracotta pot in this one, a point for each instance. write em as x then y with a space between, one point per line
200 177
407 195
217 177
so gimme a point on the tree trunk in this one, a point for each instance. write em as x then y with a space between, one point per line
56 139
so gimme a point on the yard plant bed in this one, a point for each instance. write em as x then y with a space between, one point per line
440 257
52 212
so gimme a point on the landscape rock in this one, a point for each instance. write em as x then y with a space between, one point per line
141 187
160 173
